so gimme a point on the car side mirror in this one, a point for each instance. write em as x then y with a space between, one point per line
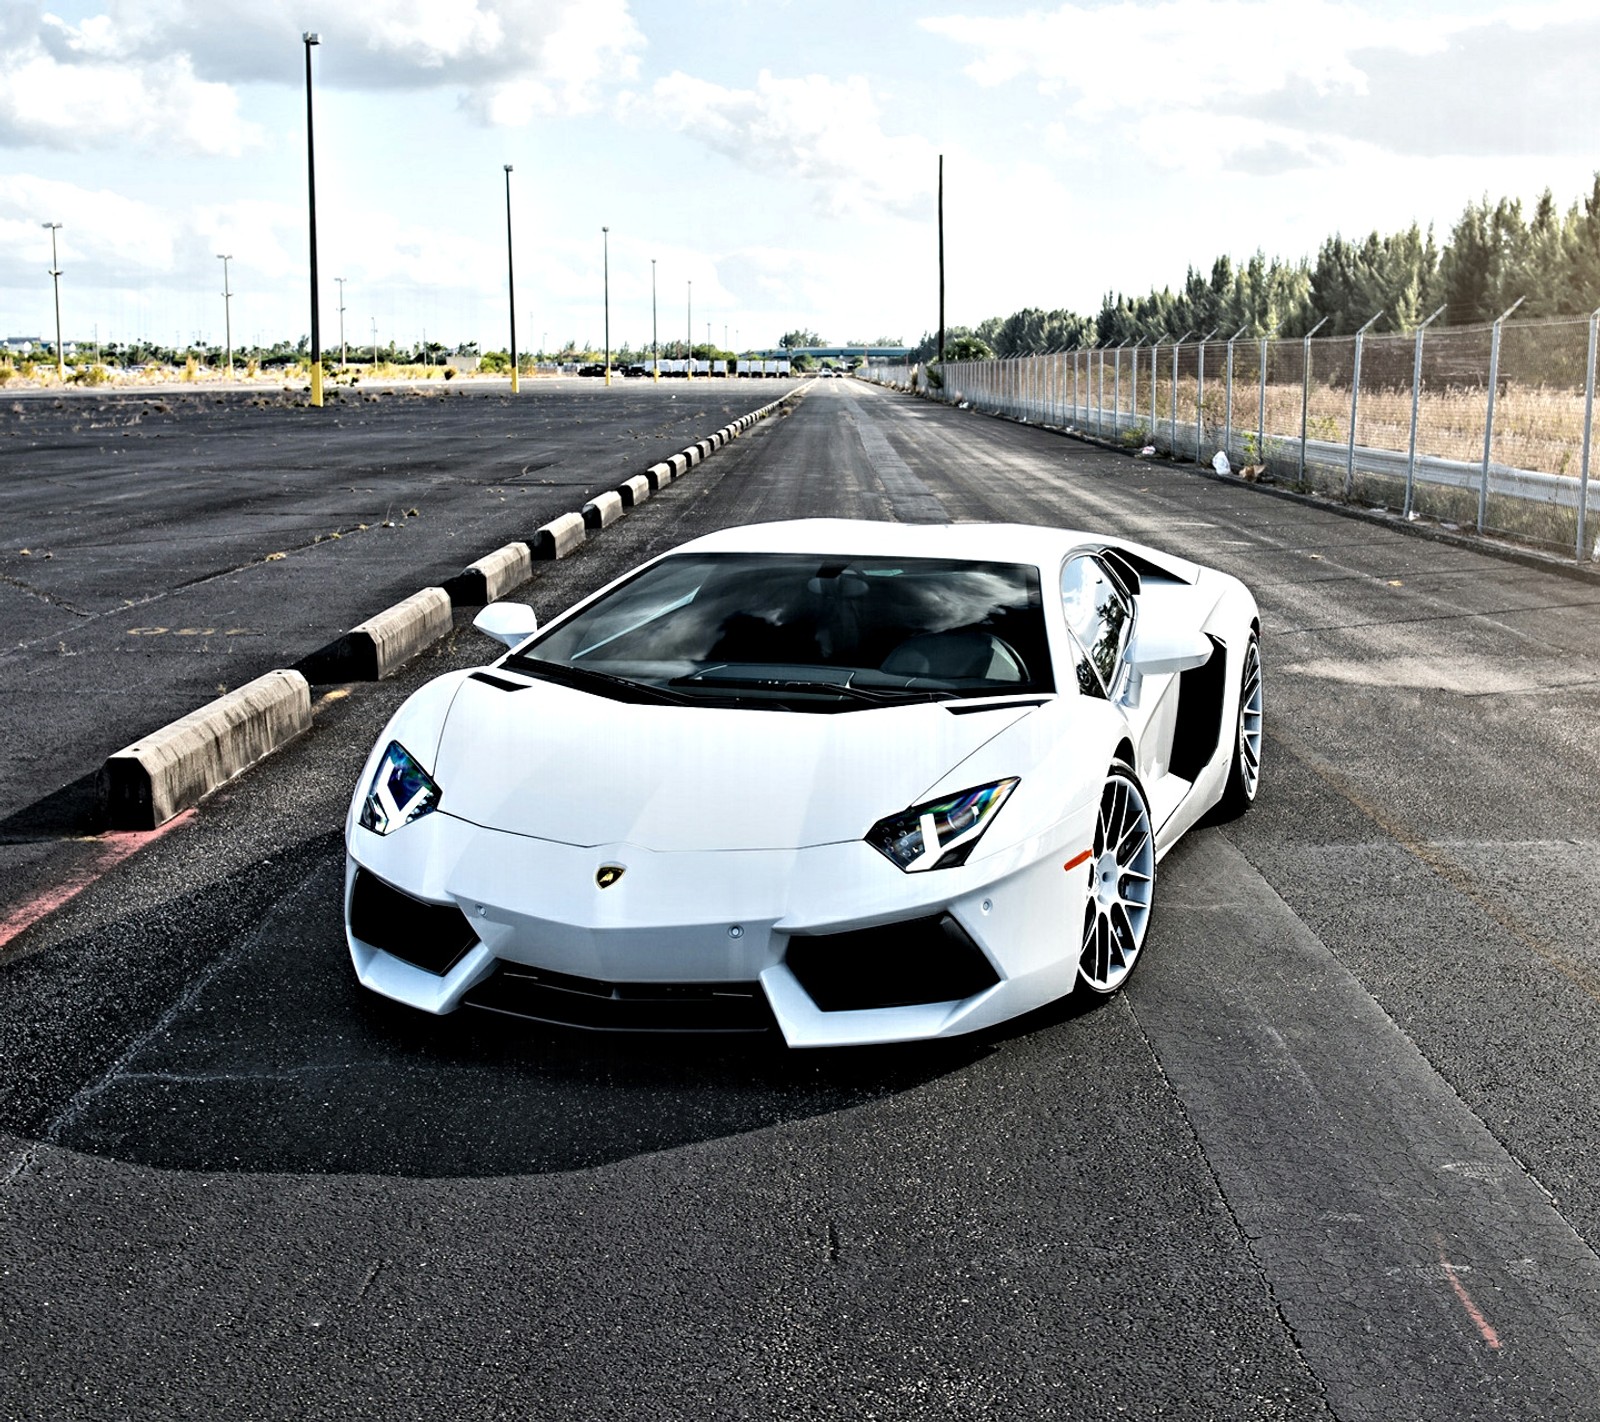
509 622
1157 652
1160 653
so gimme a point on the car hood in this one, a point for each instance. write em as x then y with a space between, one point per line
560 764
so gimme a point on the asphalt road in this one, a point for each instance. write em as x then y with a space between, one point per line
1333 1153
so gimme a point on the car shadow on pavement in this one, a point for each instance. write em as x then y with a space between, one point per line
270 1058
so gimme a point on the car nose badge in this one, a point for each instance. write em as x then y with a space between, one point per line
608 874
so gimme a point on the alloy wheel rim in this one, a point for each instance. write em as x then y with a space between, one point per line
1250 721
1123 873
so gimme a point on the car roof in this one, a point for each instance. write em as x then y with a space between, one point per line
996 542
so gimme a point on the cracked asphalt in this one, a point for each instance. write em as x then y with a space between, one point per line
1333 1153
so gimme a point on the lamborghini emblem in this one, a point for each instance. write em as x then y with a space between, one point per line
608 874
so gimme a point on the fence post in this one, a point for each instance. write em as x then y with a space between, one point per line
1488 418
1588 427
1155 350
1176 344
1355 405
1227 405
1116 394
1100 397
1200 397
1416 403
1133 397
1305 393
1261 408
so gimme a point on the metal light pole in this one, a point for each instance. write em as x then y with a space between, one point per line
340 280
605 247
688 365
55 278
227 309
374 343
655 344
309 38
511 284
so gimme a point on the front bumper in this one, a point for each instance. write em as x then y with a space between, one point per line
715 941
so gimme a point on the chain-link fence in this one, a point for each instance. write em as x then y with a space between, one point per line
1484 426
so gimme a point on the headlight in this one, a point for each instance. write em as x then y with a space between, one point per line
940 834
401 791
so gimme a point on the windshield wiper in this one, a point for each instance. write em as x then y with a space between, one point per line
618 688
871 696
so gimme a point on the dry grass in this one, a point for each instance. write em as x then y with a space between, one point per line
1535 428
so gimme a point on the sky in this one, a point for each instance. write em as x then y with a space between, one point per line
768 165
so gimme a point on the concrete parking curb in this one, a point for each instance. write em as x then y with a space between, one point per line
145 784
495 573
559 537
603 509
634 491
382 644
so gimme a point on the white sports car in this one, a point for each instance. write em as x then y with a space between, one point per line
863 782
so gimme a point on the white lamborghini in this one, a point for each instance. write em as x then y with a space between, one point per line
858 782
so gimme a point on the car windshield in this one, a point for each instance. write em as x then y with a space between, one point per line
804 632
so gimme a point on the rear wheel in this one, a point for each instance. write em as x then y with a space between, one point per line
1122 881
1244 774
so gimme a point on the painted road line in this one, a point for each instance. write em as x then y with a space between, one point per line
110 851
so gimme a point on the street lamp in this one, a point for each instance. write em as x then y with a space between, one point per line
511 283
374 345
340 280
227 309
310 37
605 241
55 279
688 365
655 344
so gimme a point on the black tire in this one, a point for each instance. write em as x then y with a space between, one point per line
1244 769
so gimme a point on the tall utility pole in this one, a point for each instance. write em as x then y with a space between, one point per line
688 365
227 309
655 344
309 38
941 259
374 343
55 278
605 247
511 283
340 280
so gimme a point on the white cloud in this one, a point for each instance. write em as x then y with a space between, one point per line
1209 82
509 60
97 228
823 132
78 97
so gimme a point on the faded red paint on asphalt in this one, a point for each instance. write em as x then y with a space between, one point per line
110 851
1486 1330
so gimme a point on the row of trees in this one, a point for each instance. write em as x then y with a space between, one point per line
1495 254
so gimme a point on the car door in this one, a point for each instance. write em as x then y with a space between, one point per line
1100 600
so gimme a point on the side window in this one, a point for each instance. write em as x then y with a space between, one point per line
1099 614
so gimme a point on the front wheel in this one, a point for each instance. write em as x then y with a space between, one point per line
1244 773
1122 882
